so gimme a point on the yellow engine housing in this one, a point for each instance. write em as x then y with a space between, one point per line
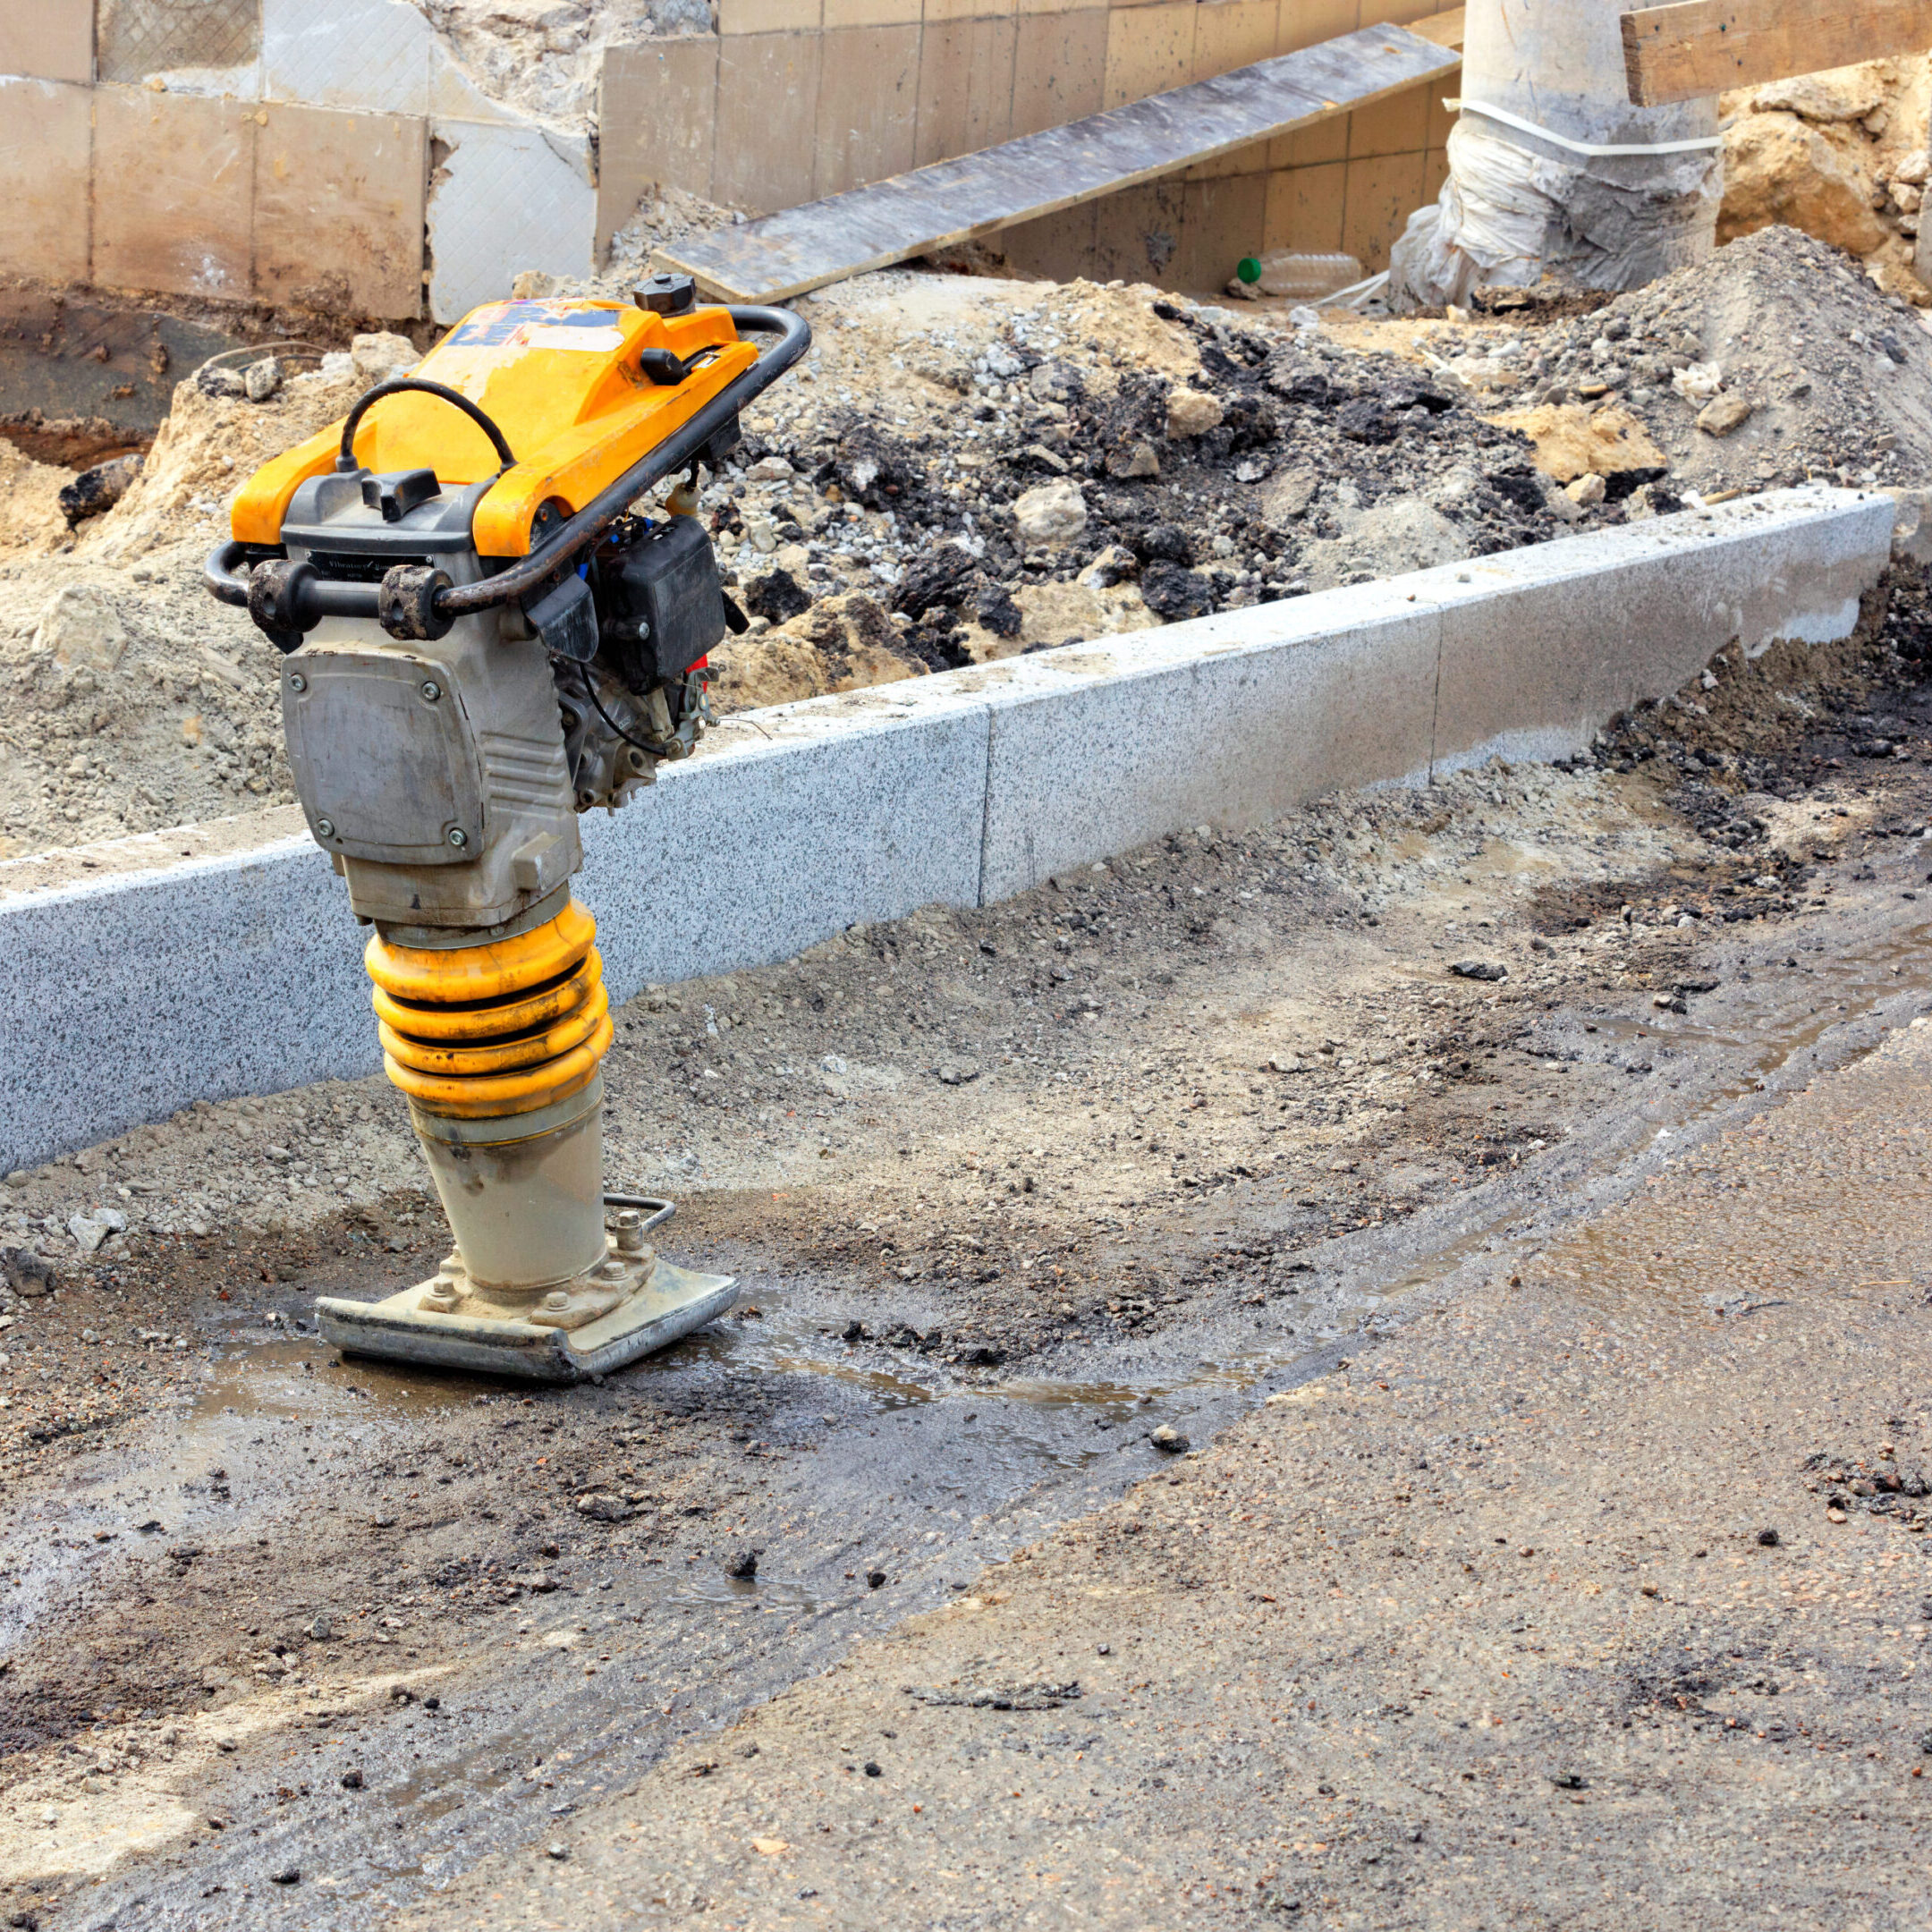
560 377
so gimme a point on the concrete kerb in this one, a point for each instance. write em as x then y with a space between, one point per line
1230 721
797 826
1541 646
126 999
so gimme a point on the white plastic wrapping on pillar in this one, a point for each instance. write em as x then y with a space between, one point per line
1524 197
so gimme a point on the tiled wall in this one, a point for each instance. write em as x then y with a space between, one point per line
340 159
343 160
793 99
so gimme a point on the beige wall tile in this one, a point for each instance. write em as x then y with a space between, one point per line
1398 125
867 106
656 116
768 16
1401 123
46 155
1229 34
174 192
339 209
1149 49
966 86
1382 193
1303 23
47 39
767 120
1232 33
1253 159
1325 140
1305 208
1137 234
1435 172
1220 222
938 11
1057 246
871 13
1059 68
1440 119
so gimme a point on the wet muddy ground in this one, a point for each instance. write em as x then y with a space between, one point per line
1593 1595
1008 1192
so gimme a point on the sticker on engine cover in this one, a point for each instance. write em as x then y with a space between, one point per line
537 325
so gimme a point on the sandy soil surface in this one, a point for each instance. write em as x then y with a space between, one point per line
969 467
1009 1191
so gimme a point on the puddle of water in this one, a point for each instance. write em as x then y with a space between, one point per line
746 1592
1849 986
303 1376
452 1782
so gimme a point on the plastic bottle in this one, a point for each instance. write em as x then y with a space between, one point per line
1305 277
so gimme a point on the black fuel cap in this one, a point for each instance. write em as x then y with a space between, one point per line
399 491
665 294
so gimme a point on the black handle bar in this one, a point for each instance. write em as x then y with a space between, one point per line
404 385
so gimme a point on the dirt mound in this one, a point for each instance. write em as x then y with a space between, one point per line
30 509
1774 361
129 700
964 468
1842 156
208 446
842 643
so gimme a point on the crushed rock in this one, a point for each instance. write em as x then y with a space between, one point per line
1838 374
1834 369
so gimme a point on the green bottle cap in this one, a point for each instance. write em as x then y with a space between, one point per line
1248 269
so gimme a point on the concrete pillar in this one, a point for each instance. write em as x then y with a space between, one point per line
1518 202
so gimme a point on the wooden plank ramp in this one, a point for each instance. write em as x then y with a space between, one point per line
1698 47
891 220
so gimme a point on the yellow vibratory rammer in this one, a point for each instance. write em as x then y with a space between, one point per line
489 631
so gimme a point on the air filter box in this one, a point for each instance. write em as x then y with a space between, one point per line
664 604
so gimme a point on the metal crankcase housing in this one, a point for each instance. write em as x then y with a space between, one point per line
433 773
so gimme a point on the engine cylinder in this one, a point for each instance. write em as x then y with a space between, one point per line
498 1046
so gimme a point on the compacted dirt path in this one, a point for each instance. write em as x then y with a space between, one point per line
1594 1596
284 1637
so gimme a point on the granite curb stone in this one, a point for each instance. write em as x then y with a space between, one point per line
127 998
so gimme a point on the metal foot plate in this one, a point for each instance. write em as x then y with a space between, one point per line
671 1303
